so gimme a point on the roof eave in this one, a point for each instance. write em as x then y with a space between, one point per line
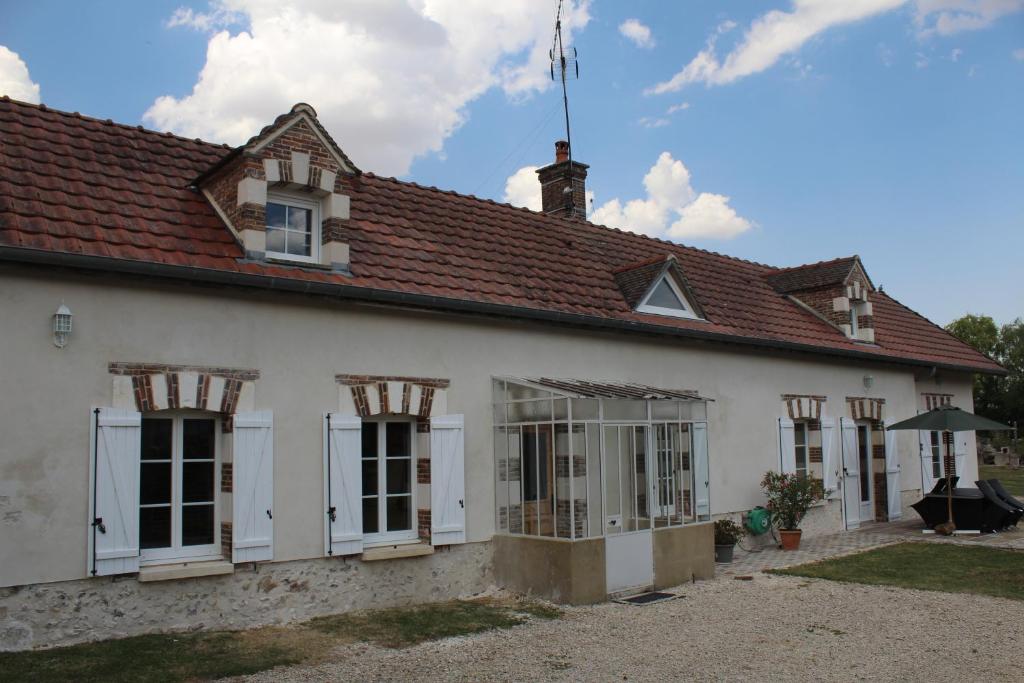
393 298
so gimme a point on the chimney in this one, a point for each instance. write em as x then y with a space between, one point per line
563 186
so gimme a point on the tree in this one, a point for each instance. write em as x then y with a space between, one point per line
999 398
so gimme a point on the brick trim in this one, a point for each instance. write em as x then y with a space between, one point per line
865 408
226 477
141 369
354 380
933 401
149 387
226 539
804 406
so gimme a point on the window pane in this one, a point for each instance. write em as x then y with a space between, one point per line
584 409
399 472
665 410
399 513
155 527
369 439
197 482
197 524
397 440
276 215
530 411
370 515
664 297
155 483
517 391
799 435
298 244
156 439
198 439
616 409
299 219
370 477
275 240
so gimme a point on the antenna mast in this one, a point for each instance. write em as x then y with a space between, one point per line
558 52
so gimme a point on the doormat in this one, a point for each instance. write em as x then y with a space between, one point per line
648 598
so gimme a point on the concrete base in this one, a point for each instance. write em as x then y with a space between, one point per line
684 554
185 570
568 572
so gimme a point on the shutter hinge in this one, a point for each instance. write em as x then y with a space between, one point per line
331 512
461 505
98 523
269 516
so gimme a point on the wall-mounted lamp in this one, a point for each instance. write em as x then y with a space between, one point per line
61 326
869 381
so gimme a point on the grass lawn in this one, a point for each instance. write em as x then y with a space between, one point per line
1012 478
927 566
218 654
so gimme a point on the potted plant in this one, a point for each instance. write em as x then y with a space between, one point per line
790 496
727 533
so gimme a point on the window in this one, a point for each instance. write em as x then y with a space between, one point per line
936 444
855 309
178 483
388 494
801 446
666 298
293 228
864 455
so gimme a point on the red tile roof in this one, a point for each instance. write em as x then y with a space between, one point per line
813 275
74 185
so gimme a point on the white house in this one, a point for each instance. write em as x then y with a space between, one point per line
278 386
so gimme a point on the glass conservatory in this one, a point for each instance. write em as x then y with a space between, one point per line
581 460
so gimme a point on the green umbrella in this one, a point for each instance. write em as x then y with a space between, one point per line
949 419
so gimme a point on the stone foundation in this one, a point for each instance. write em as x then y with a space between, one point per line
69 612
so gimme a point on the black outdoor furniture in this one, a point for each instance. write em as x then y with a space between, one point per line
1001 491
998 513
968 508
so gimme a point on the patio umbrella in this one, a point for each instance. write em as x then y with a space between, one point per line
949 419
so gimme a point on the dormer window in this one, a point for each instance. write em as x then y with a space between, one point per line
666 298
293 227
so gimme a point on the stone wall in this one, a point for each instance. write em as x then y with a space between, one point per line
67 612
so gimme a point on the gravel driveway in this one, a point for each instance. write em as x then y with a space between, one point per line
771 628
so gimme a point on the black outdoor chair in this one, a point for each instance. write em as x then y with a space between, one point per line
998 513
1001 491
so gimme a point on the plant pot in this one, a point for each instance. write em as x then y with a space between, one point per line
790 538
723 553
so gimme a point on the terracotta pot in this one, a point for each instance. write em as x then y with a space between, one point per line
790 538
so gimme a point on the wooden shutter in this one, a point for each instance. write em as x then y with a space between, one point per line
343 485
253 471
447 480
114 491
829 461
851 472
787 446
701 471
892 475
927 473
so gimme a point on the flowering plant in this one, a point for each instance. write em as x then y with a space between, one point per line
790 496
727 532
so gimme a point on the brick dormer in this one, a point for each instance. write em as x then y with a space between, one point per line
838 291
283 193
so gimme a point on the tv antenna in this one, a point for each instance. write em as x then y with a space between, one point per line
567 62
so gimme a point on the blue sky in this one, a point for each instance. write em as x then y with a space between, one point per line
889 129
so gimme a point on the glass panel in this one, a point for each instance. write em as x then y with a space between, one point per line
298 244
370 515
198 439
369 439
695 410
665 410
799 433
501 503
563 465
399 475
595 508
518 391
621 409
863 447
643 502
497 391
299 219
155 527
155 483
530 411
276 215
369 477
399 513
531 474
275 240
561 408
197 482
584 409
499 413
515 480
612 484
686 469
397 440
156 439
664 297
197 524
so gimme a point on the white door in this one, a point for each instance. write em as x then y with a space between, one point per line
866 468
630 490
851 473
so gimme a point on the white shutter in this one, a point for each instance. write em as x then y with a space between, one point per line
114 491
892 475
960 453
927 473
343 485
851 472
787 446
253 471
829 461
701 471
447 480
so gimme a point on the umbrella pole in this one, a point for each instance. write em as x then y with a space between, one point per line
947 438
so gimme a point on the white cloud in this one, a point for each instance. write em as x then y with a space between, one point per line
390 79
956 54
523 189
217 17
637 32
777 33
921 60
14 79
653 121
672 209
1019 54
682 106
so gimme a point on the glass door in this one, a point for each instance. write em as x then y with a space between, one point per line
629 546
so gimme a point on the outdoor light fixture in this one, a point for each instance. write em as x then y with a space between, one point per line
61 326
869 381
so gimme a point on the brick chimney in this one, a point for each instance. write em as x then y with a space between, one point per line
563 187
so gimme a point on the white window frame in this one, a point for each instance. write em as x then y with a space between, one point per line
801 427
935 453
854 316
178 552
687 310
392 537
316 230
